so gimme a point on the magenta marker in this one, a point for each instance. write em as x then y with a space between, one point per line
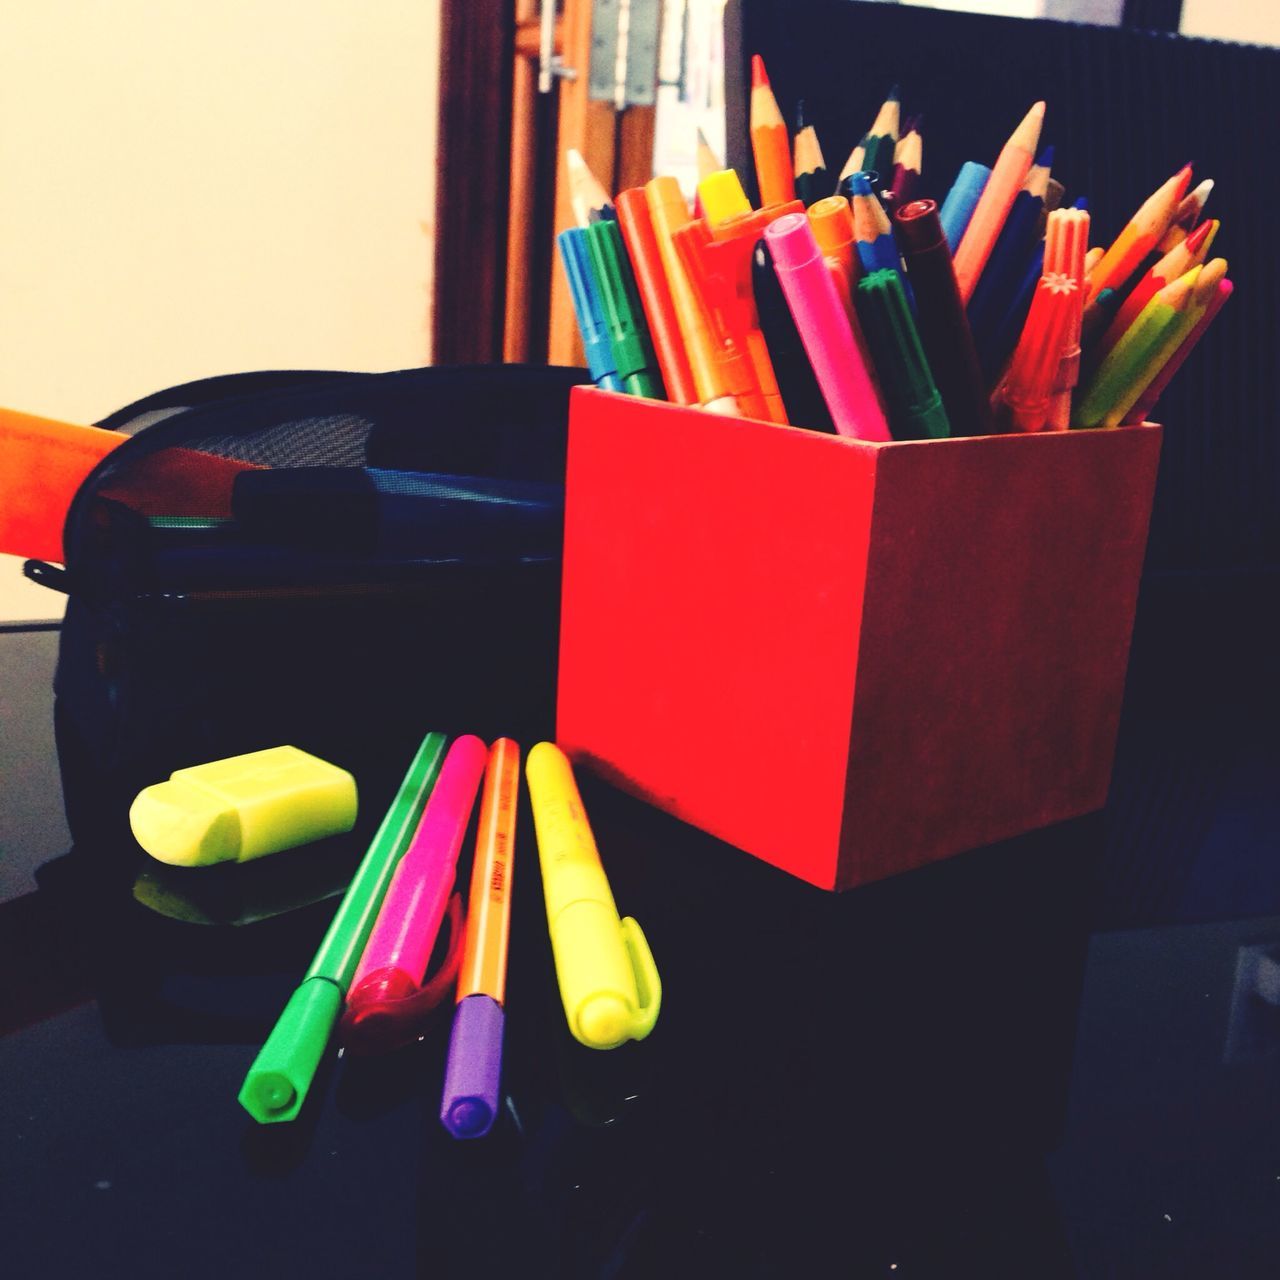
824 329
404 934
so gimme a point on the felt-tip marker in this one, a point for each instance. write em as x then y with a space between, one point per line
473 1070
608 980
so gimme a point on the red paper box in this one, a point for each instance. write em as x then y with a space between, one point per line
847 659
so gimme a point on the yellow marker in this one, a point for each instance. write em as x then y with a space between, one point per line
608 980
722 197
243 807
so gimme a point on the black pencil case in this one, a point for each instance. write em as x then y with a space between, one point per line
340 561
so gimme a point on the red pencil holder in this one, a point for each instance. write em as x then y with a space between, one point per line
847 659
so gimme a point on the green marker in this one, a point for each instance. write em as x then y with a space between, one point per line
277 1083
1126 360
628 334
914 403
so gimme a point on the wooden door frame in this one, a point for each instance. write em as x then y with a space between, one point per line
472 180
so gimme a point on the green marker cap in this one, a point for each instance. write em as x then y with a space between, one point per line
915 405
277 1083
628 334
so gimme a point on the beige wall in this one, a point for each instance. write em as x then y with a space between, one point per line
191 187
1251 21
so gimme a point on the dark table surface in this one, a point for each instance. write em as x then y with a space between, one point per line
1046 1058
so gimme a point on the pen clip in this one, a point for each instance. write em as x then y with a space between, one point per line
645 972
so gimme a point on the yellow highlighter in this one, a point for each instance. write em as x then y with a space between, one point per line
608 980
243 807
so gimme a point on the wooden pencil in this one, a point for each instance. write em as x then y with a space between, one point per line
1141 234
810 168
1007 177
587 195
769 143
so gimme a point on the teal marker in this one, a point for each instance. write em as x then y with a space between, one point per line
277 1083
632 350
588 308
914 404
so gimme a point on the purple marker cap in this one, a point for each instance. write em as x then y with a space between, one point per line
474 1068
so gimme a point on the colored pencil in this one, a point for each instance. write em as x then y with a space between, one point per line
1187 215
1203 293
708 161
872 232
1141 410
590 200
1140 236
1127 358
998 285
811 182
997 199
908 163
769 143
882 137
1189 253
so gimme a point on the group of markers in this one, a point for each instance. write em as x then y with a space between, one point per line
876 313
368 977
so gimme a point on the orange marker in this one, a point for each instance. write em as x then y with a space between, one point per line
1144 231
484 955
669 214
715 299
769 143
636 225
473 1068
724 274
832 223
42 464
997 198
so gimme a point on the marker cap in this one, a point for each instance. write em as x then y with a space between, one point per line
474 1068
918 225
608 979
791 242
277 1083
722 196
832 223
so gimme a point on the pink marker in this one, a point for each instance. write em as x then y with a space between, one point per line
825 330
395 958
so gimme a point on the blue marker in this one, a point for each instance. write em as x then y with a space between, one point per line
961 201
588 307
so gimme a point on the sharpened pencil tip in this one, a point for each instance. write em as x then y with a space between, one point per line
1082 202
1195 241
1045 159
759 76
